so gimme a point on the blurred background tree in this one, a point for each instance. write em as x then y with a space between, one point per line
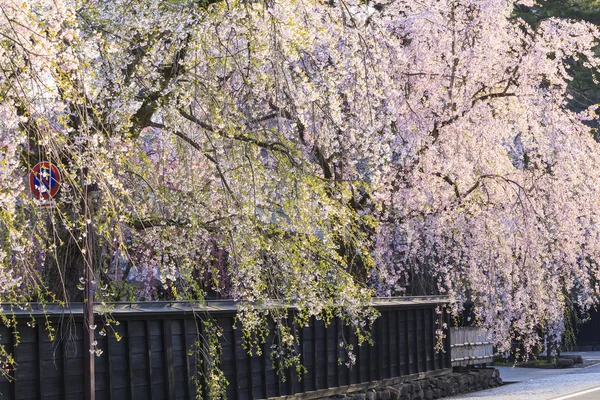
584 90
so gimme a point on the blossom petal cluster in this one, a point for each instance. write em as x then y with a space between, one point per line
314 152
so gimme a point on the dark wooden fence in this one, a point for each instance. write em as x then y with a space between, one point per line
588 334
155 358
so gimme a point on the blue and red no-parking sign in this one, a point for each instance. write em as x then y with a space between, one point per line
44 180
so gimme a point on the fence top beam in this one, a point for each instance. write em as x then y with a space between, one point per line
409 301
179 307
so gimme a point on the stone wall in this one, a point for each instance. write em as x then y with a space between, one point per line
460 381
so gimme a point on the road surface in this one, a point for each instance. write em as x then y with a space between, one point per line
592 393
544 384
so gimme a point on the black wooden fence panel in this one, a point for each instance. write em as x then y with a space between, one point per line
588 334
156 358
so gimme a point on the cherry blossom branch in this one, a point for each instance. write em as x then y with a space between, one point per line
196 146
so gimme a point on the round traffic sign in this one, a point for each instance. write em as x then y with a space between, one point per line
44 180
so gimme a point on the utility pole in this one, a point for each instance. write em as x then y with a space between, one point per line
88 306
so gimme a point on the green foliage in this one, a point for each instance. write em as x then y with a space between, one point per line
586 10
208 351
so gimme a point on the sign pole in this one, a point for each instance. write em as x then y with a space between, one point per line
88 307
44 182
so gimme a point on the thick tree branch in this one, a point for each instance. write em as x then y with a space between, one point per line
448 180
272 146
152 222
327 172
288 115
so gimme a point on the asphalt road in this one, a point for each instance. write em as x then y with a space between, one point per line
544 384
592 393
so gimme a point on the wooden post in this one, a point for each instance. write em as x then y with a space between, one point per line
448 358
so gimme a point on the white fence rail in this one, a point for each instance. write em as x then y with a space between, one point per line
470 346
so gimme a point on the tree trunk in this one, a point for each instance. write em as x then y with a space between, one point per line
64 267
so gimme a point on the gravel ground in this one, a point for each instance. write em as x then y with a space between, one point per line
537 384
